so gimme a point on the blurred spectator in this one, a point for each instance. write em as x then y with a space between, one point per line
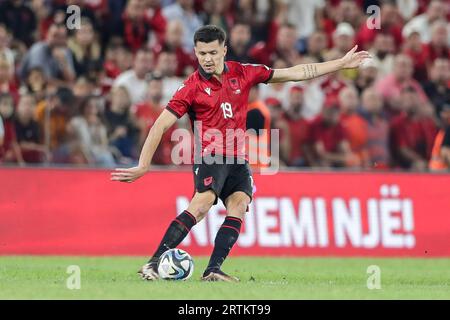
121 126
401 76
133 27
303 15
407 8
217 12
117 59
377 129
354 125
27 132
367 75
300 153
283 48
329 142
85 48
438 87
52 114
5 51
416 50
146 114
166 67
349 11
278 122
238 43
173 41
382 53
20 19
7 83
52 55
155 18
116 9
35 84
89 134
83 88
313 100
183 10
46 18
134 79
440 42
331 85
260 15
412 134
9 148
437 10
43 11
316 46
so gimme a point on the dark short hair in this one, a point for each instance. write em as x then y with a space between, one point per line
210 33
65 96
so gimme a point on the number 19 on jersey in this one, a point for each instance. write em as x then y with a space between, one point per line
227 110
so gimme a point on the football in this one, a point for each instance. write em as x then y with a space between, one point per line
175 264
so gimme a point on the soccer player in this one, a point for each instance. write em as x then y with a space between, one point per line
216 94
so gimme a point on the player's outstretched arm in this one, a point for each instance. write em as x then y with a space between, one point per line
164 122
301 72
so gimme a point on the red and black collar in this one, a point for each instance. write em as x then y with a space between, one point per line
208 76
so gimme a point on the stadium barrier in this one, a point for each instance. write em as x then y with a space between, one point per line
81 212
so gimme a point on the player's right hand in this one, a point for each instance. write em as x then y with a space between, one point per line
128 175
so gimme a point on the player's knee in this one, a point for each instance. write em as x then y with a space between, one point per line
238 207
200 205
204 208
198 211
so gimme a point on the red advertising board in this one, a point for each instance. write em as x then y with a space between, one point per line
81 212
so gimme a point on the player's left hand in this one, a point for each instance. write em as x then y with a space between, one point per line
354 59
128 175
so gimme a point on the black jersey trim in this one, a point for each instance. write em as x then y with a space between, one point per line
168 108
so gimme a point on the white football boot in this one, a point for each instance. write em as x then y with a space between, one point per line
149 272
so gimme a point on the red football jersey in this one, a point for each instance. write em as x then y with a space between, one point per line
217 106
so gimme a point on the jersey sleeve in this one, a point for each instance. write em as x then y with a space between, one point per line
181 101
257 73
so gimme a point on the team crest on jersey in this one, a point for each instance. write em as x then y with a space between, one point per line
234 83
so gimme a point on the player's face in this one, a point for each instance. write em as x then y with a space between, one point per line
211 56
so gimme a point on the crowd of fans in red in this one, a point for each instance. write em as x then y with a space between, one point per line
89 94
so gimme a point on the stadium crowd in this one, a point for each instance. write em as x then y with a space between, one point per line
89 95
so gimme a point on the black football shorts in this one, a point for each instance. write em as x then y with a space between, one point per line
224 179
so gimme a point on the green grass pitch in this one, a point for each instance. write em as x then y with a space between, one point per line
36 277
